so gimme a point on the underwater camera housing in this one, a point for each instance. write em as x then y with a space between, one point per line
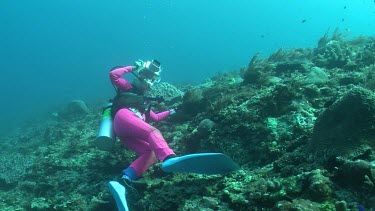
153 66
151 71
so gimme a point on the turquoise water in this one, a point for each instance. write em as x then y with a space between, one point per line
52 52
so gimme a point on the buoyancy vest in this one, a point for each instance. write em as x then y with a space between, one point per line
128 99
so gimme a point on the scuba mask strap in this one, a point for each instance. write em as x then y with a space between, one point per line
136 76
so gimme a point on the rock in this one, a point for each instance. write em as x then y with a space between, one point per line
356 173
192 102
316 75
290 66
341 206
296 204
205 127
40 204
205 203
346 127
76 108
320 187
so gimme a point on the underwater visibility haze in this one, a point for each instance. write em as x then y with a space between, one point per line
284 88
55 51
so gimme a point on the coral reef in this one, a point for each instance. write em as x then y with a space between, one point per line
170 93
300 123
346 128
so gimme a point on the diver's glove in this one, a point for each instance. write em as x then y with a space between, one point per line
138 66
139 63
172 111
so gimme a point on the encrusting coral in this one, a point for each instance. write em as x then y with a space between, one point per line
300 123
346 128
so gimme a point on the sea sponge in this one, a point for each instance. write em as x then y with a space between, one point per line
346 128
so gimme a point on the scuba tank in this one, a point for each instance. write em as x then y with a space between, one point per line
106 137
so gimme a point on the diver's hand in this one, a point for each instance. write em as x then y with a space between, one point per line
135 69
138 63
172 111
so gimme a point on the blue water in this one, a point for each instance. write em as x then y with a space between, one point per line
52 52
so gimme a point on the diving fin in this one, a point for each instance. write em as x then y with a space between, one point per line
118 191
201 163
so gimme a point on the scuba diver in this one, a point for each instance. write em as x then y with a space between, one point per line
130 111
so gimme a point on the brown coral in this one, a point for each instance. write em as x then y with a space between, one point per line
346 128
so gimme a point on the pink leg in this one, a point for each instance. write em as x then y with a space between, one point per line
146 157
141 137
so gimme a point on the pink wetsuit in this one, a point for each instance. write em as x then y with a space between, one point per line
135 133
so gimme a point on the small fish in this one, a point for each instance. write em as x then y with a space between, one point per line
304 20
345 6
342 19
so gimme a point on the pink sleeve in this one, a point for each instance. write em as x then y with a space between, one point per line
159 116
117 80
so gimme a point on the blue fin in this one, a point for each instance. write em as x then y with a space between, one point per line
118 191
202 163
